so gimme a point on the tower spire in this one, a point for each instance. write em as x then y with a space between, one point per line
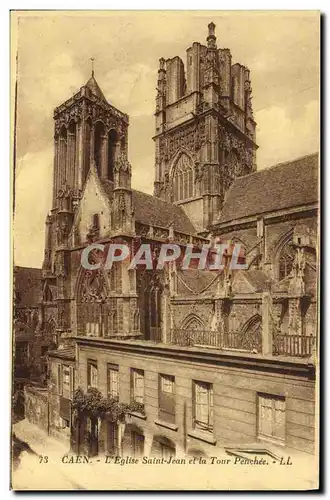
92 61
211 39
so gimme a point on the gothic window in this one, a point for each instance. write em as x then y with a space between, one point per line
149 289
250 338
183 179
96 312
98 145
63 155
193 323
112 140
88 128
285 260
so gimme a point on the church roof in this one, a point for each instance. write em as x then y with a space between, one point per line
27 285
286 185
153 211
94 88
156 212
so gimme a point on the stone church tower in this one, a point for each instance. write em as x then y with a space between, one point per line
205 131
88 131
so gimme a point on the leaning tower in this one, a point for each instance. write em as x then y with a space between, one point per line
205 130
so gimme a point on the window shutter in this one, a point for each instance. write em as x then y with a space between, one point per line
203 404
279 419
72 371
59 379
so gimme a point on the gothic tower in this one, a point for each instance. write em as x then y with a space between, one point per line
205 131
88 130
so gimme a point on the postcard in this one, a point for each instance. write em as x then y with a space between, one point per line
165 187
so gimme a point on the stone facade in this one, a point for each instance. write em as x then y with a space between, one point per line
204 128
244 340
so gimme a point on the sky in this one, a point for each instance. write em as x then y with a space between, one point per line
281 49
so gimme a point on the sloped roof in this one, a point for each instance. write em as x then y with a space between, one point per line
66 352
197 279
257 279
27 286
286 185
153 211
156 212
94 88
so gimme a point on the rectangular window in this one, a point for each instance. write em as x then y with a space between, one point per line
203 405
72 382
92 373
137 385
112 438
166 398
137 442
271 421
113 381
167 451
66 382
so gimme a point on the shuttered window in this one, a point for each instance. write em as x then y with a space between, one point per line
92 374
59 379
271 423
66 382
137 385
166 396
72 383
113 380
203 405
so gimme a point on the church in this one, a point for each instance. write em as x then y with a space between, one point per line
203 360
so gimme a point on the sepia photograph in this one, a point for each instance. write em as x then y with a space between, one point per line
165 182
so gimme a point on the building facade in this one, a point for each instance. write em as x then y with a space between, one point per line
203 360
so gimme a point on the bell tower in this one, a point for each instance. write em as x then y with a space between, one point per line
87 128
205 130
88 131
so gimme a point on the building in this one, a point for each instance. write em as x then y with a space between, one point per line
202 360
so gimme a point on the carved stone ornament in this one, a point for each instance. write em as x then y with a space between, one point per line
122 164
93 287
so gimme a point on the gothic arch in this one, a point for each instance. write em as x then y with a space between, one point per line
251 335
283 256
182 176
192 322
92 285
97 313
99 135
112 139
150 289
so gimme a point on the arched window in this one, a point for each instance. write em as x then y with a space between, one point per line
183 179
251 338
97 314
150 289
98 145
87 149
63 155
112 140
193 322
285 260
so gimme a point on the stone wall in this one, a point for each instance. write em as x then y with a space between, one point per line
36 406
